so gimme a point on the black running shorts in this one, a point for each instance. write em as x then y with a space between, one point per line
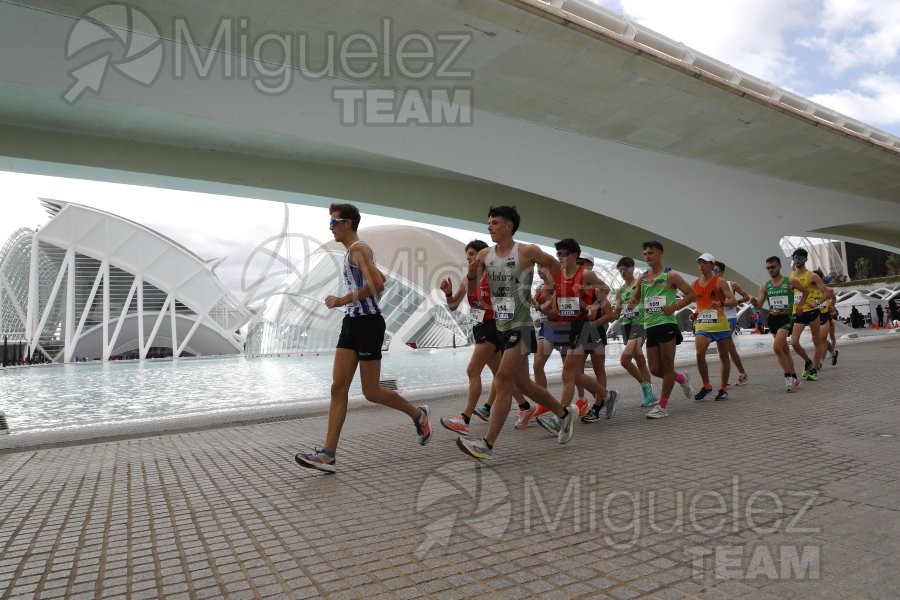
806 318
776 322
487 332
660 334
510 339
365 334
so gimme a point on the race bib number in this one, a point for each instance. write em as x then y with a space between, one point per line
797 296
477 315
779 303
568 307
654 304
632 314
708 316
504 308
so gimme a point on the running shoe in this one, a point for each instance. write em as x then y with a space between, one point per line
742 379
811 376
592 415
477 448
457 424
796 384
703 393
722 395
649 398
807 366
317 459
422 426
483 412
834 356
611 404
525 416
567 425
541 409
789 384
550 422
686 387
657 413
582 405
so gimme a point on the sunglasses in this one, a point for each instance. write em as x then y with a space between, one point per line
334 222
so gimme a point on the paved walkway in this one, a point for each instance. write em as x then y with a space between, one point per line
767 495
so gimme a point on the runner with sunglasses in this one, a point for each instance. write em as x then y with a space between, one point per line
779 292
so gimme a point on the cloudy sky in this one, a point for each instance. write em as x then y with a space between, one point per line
844 54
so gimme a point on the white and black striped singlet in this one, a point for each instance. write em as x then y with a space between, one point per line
355 281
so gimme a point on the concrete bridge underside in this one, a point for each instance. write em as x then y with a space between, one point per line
591 137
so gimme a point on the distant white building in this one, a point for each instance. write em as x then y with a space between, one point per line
92 285
415 311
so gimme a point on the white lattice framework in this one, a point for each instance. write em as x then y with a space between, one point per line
823 254
99 286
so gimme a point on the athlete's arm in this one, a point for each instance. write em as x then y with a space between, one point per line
541 259
454 299
636 296
820 285
757 302
730 301
617 307
690 295
738 290
476 270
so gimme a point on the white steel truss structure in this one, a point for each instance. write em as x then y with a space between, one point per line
94 285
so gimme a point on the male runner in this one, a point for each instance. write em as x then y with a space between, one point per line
632 322
731 315
779 291
509 266
806 313
713 296
551 335
578 295
826 322
359 343
487 346
657 291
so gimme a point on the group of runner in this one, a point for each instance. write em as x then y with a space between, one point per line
572 309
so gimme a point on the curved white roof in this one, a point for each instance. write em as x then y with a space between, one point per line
136 249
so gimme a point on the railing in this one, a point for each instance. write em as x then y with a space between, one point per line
639 37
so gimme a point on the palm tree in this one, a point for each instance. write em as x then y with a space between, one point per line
863 267
892 263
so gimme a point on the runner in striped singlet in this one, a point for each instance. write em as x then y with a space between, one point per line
359 343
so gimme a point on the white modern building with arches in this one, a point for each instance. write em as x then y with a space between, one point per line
92 285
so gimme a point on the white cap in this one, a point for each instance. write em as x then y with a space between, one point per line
584 256
706 256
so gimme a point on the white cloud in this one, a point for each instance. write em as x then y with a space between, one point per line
876 102
747 34
859 33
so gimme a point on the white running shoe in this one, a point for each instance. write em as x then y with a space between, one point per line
657 413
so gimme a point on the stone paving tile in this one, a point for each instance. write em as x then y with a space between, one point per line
764 496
